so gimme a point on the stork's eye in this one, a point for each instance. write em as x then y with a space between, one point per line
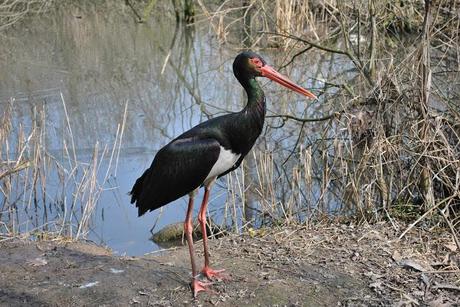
257 62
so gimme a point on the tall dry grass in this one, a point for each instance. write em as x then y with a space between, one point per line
45 193
388 147
11 11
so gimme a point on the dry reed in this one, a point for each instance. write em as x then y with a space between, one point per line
390 147
44 194
11 11
387 147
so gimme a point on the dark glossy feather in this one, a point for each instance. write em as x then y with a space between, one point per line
182 166
177 169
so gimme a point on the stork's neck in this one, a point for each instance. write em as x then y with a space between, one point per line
256 96
254 112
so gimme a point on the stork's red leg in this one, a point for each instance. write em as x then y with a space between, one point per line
197 286
207 271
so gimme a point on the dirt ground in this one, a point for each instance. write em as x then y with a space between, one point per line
322 265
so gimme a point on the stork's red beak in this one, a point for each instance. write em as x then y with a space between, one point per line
272 74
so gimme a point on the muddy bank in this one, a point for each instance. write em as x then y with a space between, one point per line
295 266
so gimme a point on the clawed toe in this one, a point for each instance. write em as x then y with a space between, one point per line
215 274
199 286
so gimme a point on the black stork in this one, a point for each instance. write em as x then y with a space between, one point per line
206 152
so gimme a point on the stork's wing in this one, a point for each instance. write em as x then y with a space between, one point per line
178 168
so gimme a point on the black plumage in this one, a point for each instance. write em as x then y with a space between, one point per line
181 166
206 152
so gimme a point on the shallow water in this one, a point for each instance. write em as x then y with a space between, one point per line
95 60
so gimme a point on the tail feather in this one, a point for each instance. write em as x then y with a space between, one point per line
137 191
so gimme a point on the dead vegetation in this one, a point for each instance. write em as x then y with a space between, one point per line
11 11
46 194
418 269
311 265
380 152
384 144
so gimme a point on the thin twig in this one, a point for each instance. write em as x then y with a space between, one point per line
306 120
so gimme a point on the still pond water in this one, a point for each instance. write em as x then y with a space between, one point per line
98 61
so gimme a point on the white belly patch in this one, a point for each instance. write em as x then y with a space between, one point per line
225 161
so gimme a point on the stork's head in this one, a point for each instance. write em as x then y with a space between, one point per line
249 65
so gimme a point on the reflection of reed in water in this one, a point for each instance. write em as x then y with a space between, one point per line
50 194
349 154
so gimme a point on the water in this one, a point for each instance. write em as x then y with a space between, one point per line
99 59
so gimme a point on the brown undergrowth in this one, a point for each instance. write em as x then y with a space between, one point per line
383 143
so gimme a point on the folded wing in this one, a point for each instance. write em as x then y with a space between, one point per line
177 169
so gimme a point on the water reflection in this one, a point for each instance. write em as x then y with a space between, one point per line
170 76
100 60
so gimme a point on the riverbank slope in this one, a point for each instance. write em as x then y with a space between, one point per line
323 265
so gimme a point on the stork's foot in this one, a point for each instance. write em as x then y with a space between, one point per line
215 274
199 286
